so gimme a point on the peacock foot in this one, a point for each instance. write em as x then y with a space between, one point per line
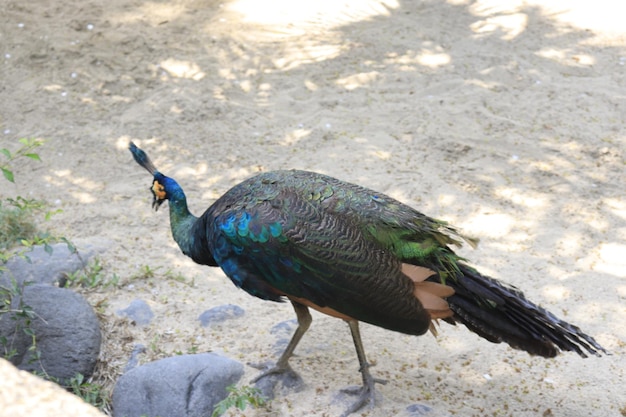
365 394
274 375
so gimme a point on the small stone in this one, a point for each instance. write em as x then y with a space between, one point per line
220 314
418 410
138 311
286 327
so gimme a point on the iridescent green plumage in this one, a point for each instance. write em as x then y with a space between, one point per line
356 254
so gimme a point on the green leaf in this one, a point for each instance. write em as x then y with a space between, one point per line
51 213
78 379
8 174
70 245
241 403
33 156
47 248
6 152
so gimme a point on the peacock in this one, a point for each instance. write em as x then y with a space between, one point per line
358 255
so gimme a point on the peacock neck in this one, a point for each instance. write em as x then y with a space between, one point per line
181 221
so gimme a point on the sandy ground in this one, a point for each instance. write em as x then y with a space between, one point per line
505 118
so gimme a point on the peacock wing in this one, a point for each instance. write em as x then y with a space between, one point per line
293 246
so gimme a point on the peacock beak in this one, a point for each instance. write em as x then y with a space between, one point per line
156 203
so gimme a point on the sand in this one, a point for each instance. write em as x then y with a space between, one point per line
505 118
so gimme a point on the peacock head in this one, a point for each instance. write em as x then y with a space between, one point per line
162 186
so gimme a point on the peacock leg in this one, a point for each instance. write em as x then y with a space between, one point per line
366 393
281 370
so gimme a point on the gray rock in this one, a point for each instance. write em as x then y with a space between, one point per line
138 311
284 328
41 267
423 410
181 386
418 410
66 329
220 314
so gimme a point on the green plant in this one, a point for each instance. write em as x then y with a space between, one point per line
26 150
16 223
91 277
176 276
18 228
240 398
17 216
90 392
145 271
22 315
154 346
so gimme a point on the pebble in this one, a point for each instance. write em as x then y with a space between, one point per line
138 311
418 410
220 314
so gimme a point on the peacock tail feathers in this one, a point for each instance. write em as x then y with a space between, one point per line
501 313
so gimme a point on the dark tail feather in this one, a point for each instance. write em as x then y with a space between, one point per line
501 313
